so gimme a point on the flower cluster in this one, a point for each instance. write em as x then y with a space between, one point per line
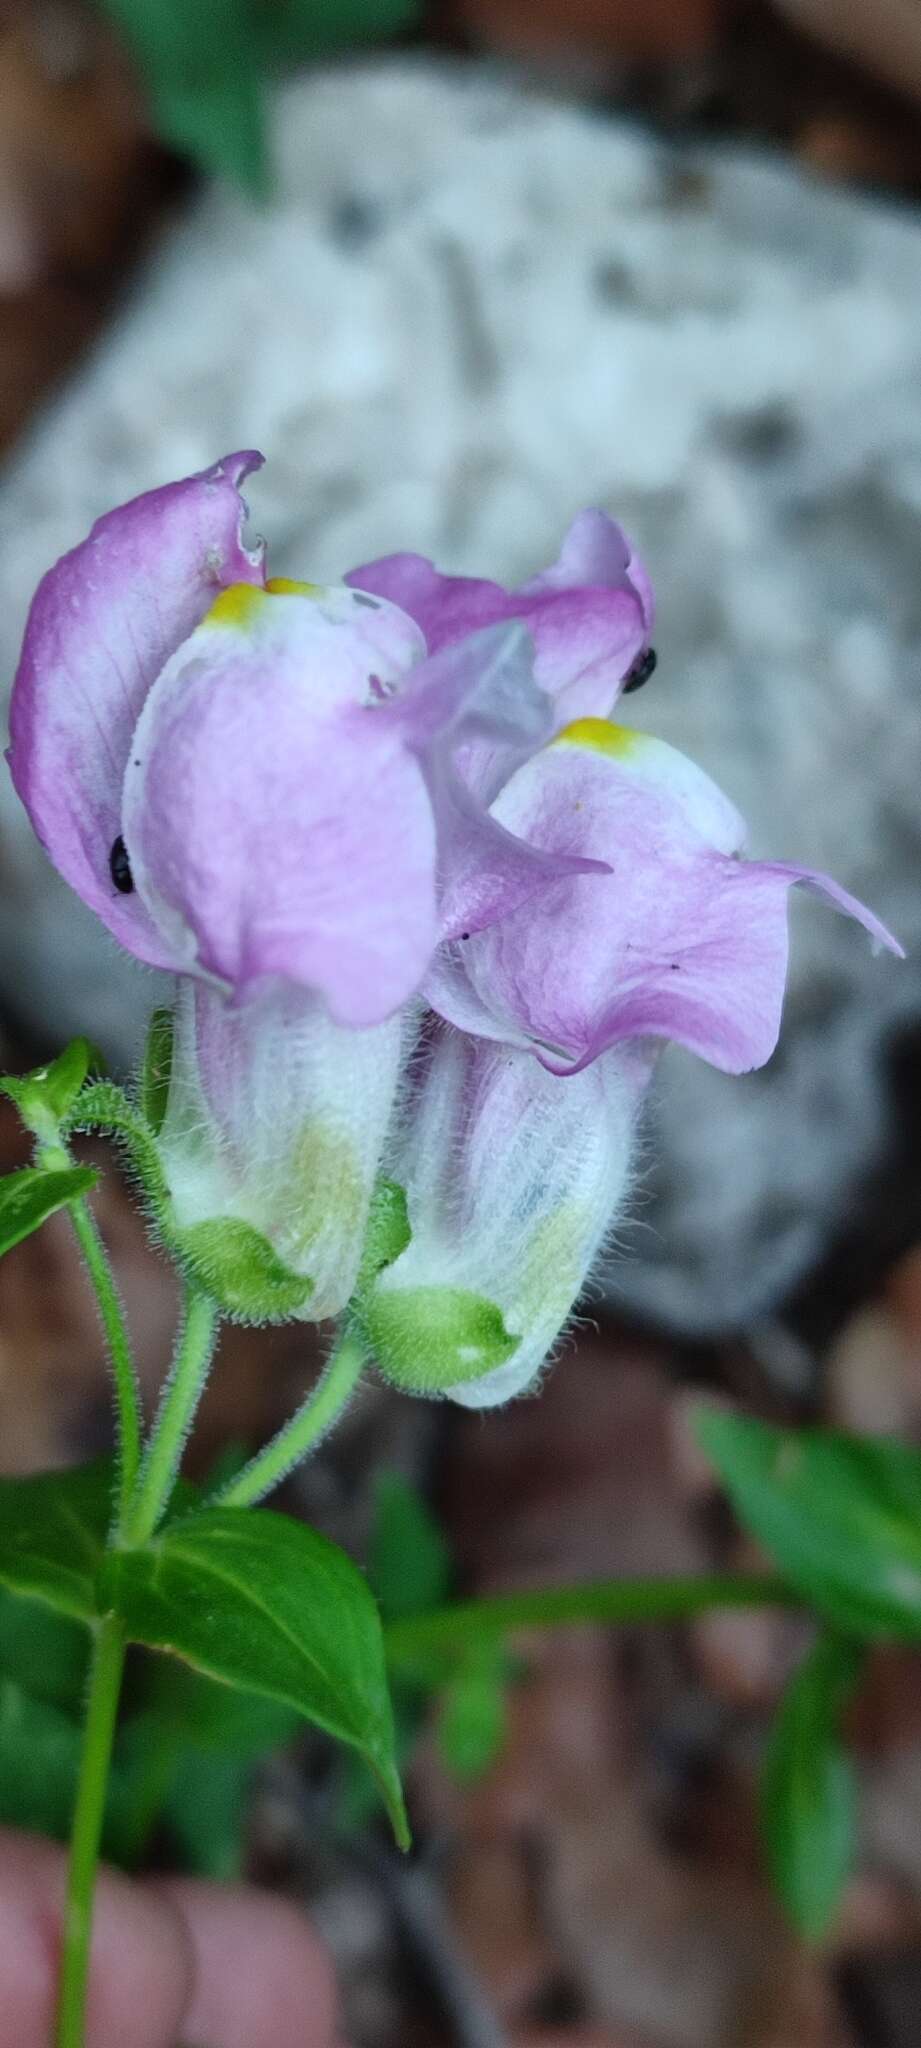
431 909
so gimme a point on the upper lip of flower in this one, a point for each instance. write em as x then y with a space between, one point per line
318 786
250 780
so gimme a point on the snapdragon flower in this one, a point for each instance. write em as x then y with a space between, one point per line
516 1152
266 788
328 810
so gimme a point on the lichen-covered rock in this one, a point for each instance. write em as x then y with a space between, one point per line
494 310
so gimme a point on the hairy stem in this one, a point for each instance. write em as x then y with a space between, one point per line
180 1398
127 1398
53 1152
86 1833
104 1107
317 1414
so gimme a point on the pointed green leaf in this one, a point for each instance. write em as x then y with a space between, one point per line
472 1720
48 1093
29 1197
53 1530
841 1515
201 67
808 1803
263 1603
410 1567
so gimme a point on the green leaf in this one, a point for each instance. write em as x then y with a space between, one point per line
808 1801
295 29
29 1197
237 1266
472 1721
842 1516
206 1810
45 1096
212 1716
53 1530
39 1752
46 1653
156 1069
426 1339
201 66
410 1567
263 1603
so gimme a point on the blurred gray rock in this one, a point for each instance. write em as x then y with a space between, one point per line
469 311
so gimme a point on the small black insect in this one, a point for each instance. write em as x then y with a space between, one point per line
120 868
644 666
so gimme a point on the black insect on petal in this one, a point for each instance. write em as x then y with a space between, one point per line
644 666
120 868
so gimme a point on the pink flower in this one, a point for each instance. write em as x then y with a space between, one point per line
673 936
318 806
277 791
516 1152
256 782
589 615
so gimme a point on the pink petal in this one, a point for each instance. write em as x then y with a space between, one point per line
589 614
680 941
102 623
277 827
473 713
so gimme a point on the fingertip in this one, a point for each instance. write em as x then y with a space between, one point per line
263 1978
141 1966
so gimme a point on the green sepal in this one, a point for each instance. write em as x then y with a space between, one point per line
238 1267
387 1235
48 1093
29 1197
156 1068
808 1792
427 1339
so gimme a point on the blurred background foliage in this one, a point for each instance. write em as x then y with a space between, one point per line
205 65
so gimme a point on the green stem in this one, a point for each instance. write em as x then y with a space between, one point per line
102 1106
127 1399
180 1399
316 1415
605 1600
102 1707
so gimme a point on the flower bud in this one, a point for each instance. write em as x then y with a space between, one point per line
512 1176
271 1142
